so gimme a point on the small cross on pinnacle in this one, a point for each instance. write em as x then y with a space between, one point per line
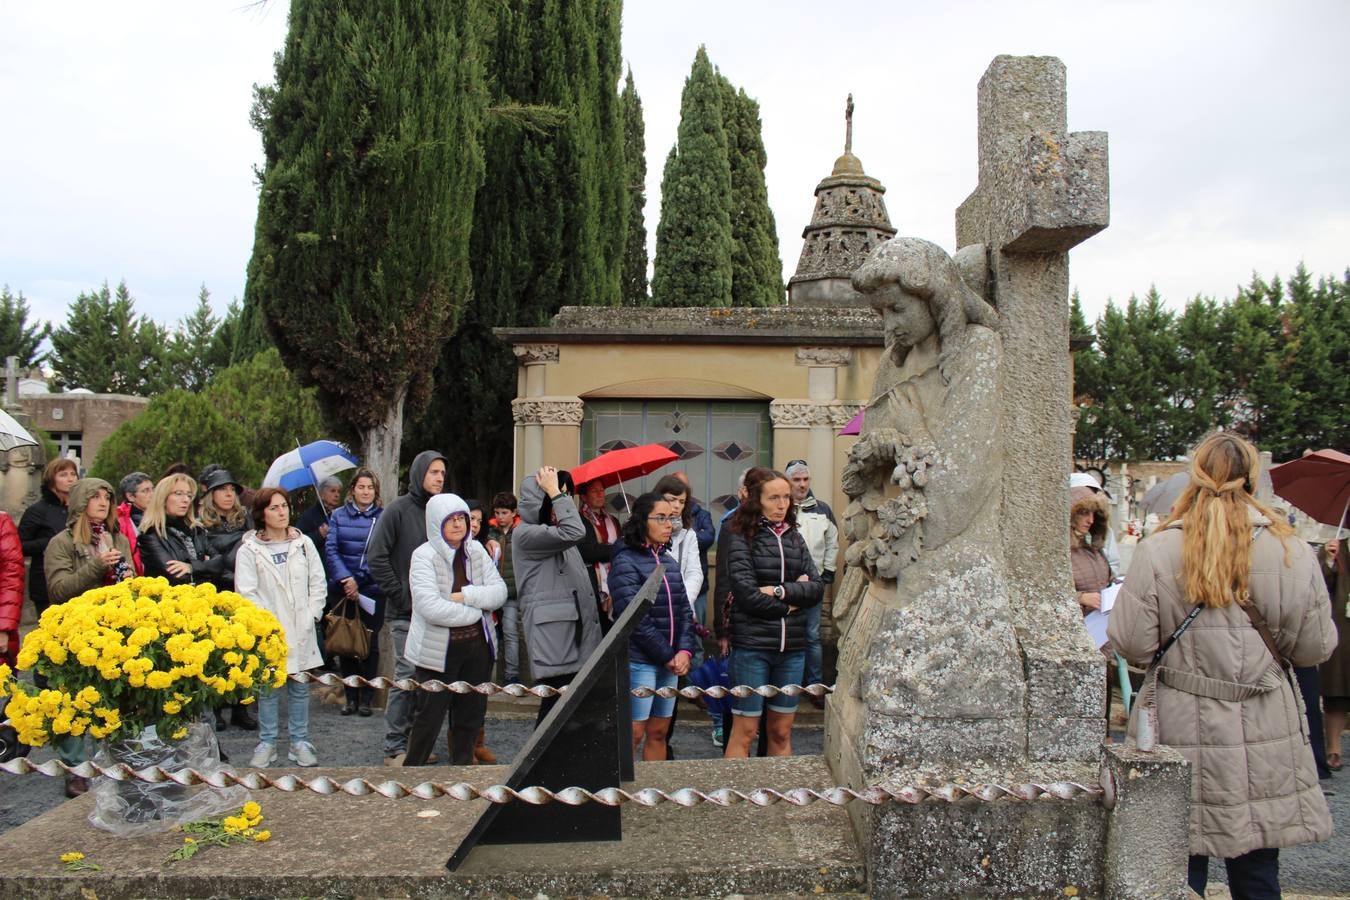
848 125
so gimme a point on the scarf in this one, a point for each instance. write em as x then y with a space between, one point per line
98 534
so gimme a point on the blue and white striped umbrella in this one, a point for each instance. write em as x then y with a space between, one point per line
308 465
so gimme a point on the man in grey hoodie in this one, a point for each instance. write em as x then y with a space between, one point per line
399 531
562 624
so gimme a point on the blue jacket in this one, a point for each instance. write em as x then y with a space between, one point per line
668 626
706 532
346 548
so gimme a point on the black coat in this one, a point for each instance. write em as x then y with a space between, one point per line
40 523
157 550
759 621
223 541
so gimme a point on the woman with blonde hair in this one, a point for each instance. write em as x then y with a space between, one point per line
173 543
1224 600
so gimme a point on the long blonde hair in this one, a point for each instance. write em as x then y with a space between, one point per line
236 519
155 518
1216 544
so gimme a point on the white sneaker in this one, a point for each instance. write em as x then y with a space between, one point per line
302 754
263 755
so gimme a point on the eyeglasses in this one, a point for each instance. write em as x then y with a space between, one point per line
664 520
187 494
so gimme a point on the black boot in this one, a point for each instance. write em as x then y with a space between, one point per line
350 706
367 694
243 717
221 724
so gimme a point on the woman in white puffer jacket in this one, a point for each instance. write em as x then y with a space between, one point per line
454 586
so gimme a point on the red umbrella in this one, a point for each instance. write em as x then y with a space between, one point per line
1318 484
618 466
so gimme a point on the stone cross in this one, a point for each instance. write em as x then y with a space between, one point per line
848 125
1042 190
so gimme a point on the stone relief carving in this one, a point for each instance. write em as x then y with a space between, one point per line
834 357
806 413
547 411
535 354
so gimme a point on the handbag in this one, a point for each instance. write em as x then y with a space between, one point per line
346 635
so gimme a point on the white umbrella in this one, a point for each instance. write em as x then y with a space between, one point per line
12 434
307 466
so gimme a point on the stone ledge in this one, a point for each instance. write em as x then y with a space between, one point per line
374 847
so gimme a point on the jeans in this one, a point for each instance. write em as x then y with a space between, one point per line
758 668
1251 876
815 659
510 614
398 712
648 675
297 717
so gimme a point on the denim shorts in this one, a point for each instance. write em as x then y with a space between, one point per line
646 675
758 668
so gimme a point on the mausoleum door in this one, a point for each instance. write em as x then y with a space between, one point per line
716 439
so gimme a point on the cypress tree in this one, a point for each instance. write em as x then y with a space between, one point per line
17 336
756 268
371 160
548 225
693 238
634 271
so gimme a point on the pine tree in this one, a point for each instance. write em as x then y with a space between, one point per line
17 336
756 268
693 238
105 347
191 354
372 157
634 275
1087 387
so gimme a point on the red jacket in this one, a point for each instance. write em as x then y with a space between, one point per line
11 585
128 528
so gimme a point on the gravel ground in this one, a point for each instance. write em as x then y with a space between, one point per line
1317 869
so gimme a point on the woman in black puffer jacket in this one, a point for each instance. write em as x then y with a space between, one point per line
772 579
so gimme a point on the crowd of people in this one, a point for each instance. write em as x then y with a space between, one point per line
531 590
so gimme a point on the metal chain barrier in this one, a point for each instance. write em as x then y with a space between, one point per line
573 796
543 690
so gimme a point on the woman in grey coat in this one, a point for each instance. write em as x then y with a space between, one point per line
561 625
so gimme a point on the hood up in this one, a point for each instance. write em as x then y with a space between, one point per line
418 471
81 492
440 508
1083 498
531 501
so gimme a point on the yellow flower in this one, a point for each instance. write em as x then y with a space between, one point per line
235 824
173 707
75 856
189 840
262 836
251 810
179 734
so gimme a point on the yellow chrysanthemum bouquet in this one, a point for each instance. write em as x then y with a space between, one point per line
124 657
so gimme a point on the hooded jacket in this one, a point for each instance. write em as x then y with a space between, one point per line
1222 701
1088 564
668 626
431 577
562 624
293 590
816 522
72 568
399 531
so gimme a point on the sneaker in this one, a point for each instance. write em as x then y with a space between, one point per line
263 755
302 754
717 737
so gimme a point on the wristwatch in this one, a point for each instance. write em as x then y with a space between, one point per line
779 592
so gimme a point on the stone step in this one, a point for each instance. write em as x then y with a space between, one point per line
374 847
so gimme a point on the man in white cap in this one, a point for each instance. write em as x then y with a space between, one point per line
1111 550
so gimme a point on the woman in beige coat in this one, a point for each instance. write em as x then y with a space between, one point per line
1222 699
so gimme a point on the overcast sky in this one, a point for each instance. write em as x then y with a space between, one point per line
128 153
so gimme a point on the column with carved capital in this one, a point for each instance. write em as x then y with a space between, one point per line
822 388
552 427
532 358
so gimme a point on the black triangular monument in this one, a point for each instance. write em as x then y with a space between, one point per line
585 741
